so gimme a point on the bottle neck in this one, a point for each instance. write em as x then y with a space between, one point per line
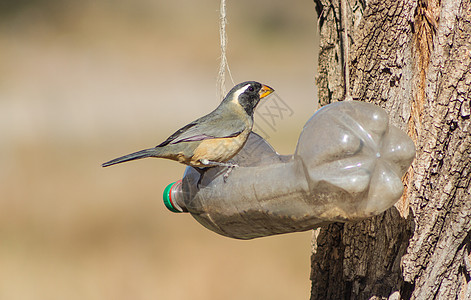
173 197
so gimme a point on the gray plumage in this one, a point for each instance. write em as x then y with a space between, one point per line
232 117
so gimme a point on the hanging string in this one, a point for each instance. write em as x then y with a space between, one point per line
223 65
346 67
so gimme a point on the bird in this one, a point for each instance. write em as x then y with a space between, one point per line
213 139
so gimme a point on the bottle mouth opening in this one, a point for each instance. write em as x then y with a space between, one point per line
169 197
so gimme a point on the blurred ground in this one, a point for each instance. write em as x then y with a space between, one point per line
82 82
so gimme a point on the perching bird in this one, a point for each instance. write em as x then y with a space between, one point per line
215 138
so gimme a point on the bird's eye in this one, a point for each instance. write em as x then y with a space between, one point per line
251 88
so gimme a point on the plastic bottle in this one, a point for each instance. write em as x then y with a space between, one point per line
347 166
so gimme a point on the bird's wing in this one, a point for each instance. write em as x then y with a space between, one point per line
208 127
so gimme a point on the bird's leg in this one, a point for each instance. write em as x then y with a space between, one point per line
220 164
229 170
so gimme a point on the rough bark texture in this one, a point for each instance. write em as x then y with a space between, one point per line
330 82
412 58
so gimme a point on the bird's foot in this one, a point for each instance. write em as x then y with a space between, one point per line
220 164
230 167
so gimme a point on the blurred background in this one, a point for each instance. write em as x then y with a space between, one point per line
82 82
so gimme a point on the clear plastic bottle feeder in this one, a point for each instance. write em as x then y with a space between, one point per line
348 166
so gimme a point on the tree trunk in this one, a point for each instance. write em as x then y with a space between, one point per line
412 58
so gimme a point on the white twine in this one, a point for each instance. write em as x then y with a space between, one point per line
346 67
223 65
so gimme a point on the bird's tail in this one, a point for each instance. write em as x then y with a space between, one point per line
152 152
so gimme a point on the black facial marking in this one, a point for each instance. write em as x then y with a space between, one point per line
250 97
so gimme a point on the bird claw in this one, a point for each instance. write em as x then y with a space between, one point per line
230 167
220 164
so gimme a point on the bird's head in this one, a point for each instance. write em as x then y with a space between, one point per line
248 94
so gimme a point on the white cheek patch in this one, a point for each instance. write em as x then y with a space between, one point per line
237 93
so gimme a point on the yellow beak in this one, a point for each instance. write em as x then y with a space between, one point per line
265 91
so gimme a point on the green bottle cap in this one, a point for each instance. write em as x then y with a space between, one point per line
168 198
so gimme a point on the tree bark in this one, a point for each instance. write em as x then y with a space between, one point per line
412 58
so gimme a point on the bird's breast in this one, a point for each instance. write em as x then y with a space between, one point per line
219 149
